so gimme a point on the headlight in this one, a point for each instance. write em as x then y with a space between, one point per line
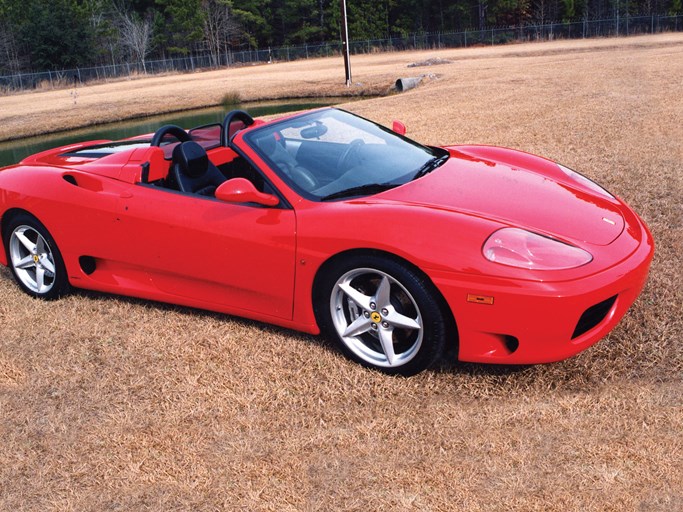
519 248
585 181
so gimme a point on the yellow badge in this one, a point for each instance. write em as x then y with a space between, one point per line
376 317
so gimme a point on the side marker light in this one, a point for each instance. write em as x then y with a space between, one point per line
480 299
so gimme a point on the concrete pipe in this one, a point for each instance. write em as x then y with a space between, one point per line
405 84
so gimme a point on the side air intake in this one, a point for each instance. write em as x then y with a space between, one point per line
593 316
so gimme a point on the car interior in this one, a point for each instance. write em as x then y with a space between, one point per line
199 163
316 164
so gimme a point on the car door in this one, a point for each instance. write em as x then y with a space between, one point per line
235 256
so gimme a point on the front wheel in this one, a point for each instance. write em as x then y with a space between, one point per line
34 258
382 314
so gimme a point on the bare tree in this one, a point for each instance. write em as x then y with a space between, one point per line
220 27
540 14
135 35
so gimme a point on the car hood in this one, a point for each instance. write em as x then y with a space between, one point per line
544 200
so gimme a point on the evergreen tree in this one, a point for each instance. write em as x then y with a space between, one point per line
56 34
254 17
179 28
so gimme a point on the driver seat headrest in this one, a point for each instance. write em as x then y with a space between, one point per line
192 158
267 143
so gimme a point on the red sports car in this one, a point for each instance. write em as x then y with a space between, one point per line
325 221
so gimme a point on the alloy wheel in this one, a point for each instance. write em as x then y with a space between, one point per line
376 317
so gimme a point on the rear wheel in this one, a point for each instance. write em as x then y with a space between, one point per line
34 258
382 314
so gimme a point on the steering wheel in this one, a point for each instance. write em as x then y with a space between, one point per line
302 176
353 147
169 129
234 115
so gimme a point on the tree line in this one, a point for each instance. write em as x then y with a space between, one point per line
41 35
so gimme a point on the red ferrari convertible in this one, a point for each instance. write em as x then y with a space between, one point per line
325 221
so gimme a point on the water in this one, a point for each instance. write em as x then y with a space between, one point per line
16 150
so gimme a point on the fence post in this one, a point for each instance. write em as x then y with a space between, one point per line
616 24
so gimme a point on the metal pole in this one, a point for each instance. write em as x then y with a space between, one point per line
345 42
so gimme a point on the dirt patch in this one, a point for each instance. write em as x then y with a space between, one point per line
434 61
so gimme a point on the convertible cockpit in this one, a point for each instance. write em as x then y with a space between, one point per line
200 160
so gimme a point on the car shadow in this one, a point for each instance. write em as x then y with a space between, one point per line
447 364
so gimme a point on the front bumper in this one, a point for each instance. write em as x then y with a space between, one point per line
539 322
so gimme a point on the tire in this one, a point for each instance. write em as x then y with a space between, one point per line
34 258
382 314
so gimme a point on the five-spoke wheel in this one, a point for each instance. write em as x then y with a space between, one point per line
34 258
383 314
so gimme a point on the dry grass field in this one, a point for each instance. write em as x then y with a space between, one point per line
114 404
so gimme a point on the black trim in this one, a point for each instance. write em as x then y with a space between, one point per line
169 129
144 176
239 115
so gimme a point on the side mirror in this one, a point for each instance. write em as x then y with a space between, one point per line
241 190
399 128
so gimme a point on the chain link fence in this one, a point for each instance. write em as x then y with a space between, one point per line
622 26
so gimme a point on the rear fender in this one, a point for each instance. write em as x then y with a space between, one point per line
79 209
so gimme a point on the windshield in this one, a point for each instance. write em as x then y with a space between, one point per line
331 154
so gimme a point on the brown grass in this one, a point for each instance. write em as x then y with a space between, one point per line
115 404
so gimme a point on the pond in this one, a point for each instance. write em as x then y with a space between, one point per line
14 151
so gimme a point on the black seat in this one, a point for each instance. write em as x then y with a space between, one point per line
192 171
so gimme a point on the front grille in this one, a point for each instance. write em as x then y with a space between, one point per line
593 316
